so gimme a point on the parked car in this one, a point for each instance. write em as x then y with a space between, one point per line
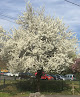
16 74
10 74
26 75
60 77
3 71
47 77
70 77
54 76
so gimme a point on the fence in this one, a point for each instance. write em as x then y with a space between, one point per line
56 86
75 87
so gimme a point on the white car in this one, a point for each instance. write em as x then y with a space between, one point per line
16 74
10 74
70 77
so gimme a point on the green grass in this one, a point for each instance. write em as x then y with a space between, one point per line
10 89
4 94
14 88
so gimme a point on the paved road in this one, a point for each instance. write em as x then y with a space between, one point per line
62 96
7 78
54 96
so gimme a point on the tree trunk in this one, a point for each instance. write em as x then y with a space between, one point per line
38 77
38 84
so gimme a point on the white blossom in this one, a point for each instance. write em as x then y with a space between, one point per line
40 41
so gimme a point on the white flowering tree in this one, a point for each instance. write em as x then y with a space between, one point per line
40 42
2 35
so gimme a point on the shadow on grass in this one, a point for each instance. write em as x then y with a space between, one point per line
9 88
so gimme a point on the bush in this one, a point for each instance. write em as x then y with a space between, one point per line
45 85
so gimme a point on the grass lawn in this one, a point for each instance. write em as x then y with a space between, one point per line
14 88
9 89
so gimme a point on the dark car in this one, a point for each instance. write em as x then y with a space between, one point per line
54 76
26 75
60 77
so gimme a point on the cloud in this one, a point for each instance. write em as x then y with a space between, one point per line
62 9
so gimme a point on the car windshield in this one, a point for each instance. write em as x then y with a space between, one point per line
59 75
62 76
47 74
29 73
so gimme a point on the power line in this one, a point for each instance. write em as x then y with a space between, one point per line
1 14
7 20
72 3
6 17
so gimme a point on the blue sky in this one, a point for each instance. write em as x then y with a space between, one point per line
11 9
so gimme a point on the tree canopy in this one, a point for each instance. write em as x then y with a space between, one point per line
76 65
40 41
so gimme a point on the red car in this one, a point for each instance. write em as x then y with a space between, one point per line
47 77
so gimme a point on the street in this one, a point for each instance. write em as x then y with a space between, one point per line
8 78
